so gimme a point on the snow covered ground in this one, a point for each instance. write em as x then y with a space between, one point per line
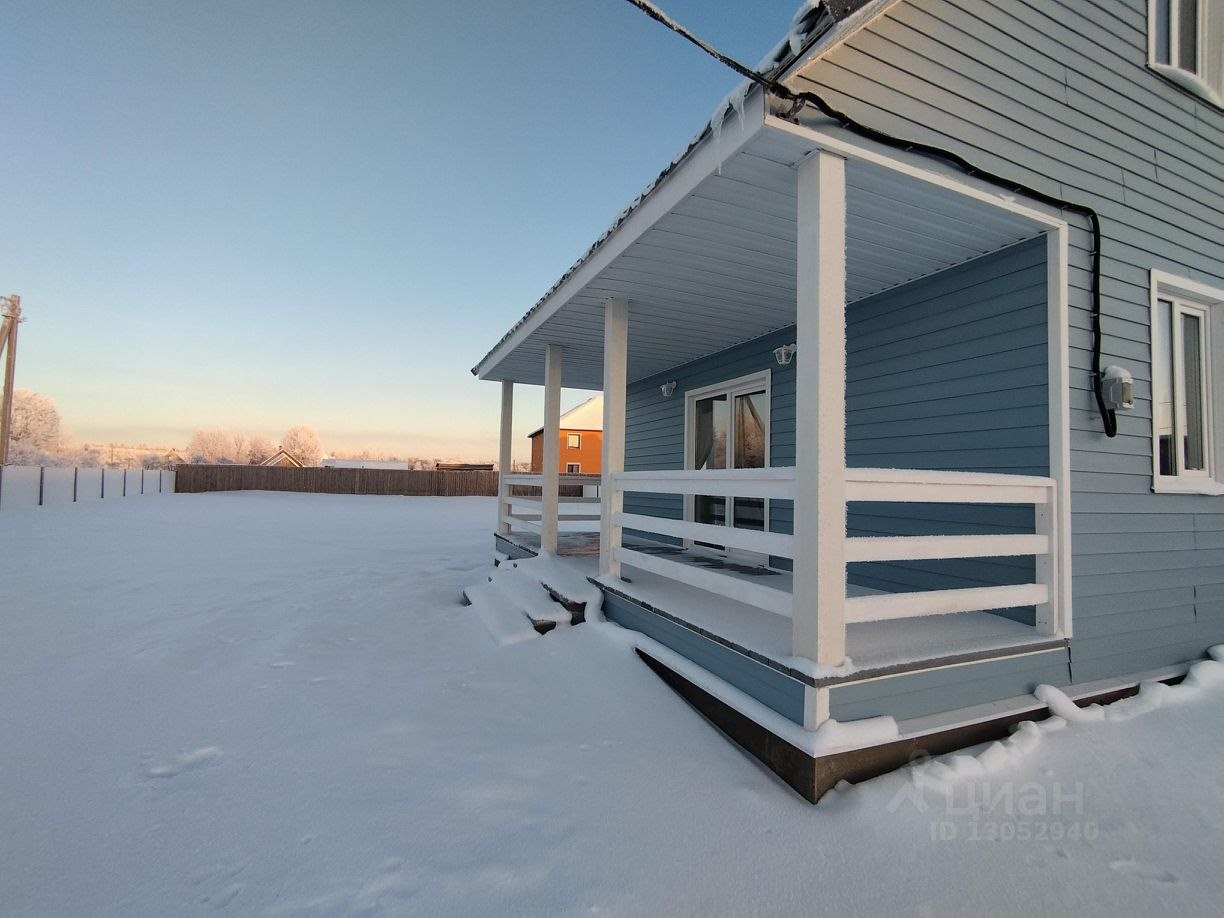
276 704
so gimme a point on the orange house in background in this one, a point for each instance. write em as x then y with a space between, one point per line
581 440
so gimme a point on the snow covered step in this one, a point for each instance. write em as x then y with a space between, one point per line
515 599
526 593
564 584
506 624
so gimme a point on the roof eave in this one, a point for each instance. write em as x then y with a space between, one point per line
828 39
701 159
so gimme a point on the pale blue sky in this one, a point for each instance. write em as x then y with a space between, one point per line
260 214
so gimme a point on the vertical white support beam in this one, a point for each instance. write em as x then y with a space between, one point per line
819 624
1058 361
615 362
552 448
505 454
1046 573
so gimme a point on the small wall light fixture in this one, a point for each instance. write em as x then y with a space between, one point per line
785 354
668 388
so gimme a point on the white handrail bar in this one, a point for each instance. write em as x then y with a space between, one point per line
767 543
537 481
776 483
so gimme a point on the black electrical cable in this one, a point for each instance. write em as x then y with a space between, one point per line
1108 417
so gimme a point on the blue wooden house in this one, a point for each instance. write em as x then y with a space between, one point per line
910 365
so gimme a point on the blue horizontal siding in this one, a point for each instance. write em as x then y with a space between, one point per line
776 691
939 690
925 353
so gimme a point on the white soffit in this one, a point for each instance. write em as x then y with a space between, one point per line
718 268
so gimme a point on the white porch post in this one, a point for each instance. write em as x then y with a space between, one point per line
615 363
552 448
819 626
504 453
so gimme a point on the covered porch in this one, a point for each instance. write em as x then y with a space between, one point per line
774 260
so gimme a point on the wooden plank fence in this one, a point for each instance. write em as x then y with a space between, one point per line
194 479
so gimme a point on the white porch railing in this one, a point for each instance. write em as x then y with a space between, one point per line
524 512
773 483
877 485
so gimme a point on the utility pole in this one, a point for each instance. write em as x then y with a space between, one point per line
10 318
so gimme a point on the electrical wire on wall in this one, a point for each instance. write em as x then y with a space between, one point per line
1108 417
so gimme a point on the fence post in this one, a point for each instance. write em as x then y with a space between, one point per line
42 476
76 473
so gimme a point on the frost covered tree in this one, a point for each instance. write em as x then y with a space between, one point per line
212 445
259 449
241 453
35 432
302 443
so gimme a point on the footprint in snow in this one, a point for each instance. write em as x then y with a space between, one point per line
224 897
1148 872
188 761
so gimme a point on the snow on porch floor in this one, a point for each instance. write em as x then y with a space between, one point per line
871 646
276 704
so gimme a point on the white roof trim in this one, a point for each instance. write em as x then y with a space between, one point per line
925 169
836 36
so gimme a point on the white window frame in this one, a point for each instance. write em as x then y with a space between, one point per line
573 468
570 438
1188 298
1197 81
751 382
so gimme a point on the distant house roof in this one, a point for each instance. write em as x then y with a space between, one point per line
464 466
366 464
587 416
280 457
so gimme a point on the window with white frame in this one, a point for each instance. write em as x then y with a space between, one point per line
573 468
727 427
1187 329
573 441
1186 44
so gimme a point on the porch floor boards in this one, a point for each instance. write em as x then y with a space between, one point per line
570 543
874 648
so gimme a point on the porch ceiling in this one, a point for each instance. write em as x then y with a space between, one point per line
718 267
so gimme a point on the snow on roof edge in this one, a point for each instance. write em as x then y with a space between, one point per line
581 412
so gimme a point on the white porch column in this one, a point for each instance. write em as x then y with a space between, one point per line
819 626
615 364
552 448
504 453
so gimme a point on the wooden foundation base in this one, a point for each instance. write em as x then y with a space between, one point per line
812 776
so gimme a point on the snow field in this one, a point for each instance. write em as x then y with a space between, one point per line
278 704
